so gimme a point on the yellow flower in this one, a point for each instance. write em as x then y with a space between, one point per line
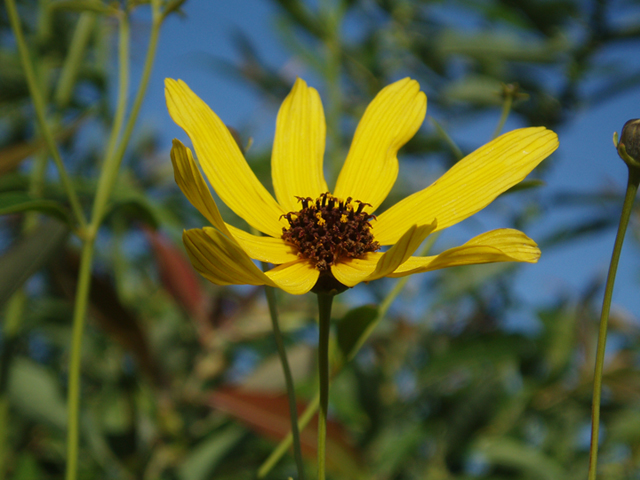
315 237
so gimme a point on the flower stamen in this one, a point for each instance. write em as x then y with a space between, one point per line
329 229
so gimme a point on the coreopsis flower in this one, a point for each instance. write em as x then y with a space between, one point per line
324 239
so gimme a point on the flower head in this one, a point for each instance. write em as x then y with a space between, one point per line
331 240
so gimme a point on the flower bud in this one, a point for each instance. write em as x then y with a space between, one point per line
629 145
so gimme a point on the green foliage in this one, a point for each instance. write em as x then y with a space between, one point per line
179 377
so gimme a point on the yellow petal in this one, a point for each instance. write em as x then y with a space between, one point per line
354 271
377 265
265 249
220 260
471 184
296 277
401 251
298 147
503 245
193 186
221 159
390 121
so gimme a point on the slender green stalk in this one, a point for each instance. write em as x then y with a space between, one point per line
313 405
291 393
73 61
284 445
506 109
40 109
390 298
632 188
112 164
333 54
73 393
123 85
445 136
16 306
324 319
106 182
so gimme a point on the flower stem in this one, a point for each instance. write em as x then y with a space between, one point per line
312 408
40 110
291 393
324 319
632 188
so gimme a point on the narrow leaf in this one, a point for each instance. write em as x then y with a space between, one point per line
16 202
353 327
28 255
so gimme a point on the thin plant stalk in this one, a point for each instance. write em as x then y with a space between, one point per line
324 320
509 91
123 84
332 16
40 110
448 140
106 182
314 404
291 393
71 66
73 388
285 443
632 188
112 164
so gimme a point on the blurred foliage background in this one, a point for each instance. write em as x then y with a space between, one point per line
180 379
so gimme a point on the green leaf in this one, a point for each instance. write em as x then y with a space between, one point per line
475 89
353 328
394 445
16 202
526 185
33 389
513 454
202 461
28 255
26 467
135 207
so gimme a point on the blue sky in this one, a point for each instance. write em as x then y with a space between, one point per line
585 161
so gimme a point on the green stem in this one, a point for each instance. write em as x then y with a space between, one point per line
390 298
112 164
291 393
73 393
332 20
284 445
39 106
449 141
632 188
312 408
73 61
324 319
106 182
506 109
123 86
